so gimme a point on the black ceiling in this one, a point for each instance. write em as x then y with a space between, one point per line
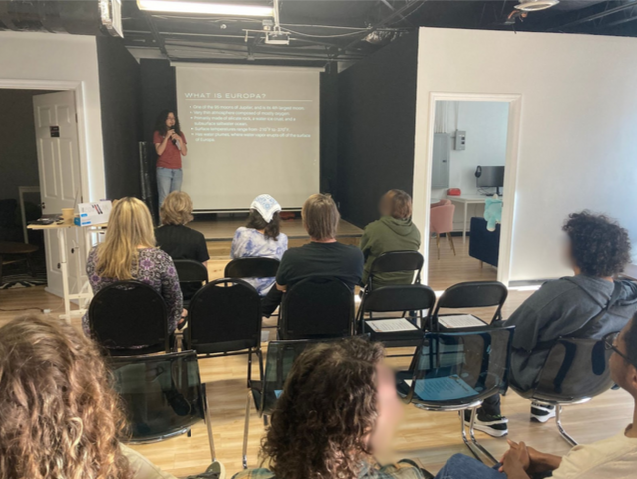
324 31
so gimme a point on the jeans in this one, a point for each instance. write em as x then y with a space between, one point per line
168 180
491 405
460 466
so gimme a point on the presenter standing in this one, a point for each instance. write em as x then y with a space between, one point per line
170 144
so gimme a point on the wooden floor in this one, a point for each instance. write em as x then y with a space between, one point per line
428 437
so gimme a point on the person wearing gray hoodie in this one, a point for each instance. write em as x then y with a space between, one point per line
394 231
589 304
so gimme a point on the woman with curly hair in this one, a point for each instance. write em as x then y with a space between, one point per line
589 304
338 411
59 418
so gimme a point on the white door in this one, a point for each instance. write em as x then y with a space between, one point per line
59 168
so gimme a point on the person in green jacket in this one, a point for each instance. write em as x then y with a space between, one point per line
394 231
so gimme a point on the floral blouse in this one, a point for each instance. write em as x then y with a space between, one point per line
250 243
156 268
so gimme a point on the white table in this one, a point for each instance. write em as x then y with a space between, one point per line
466 201
85 293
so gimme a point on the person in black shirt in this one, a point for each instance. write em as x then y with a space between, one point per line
322 257
176 239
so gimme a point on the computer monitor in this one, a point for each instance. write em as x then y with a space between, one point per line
490 177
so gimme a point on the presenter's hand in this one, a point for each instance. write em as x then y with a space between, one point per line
170 133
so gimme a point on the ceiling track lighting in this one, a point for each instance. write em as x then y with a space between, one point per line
205 8
536 5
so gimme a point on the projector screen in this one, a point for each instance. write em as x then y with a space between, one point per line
250 130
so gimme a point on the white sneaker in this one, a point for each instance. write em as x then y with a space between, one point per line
541 412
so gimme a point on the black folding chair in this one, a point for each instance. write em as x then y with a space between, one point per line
252 268
225 319
456 371
280 357
128 314
397 298
317 308
163 396
396 262
471 294
192 275
575 371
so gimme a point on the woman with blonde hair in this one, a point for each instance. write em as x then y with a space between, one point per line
129 253
59 419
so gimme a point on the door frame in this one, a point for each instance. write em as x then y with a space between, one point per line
510 176
62 85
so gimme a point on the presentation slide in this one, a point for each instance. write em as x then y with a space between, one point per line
250 130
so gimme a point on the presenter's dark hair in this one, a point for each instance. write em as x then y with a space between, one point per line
270 230
599 246
160 124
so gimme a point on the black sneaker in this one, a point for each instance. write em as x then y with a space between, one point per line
541 412
493 425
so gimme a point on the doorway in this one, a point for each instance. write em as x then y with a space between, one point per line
470 190
40 175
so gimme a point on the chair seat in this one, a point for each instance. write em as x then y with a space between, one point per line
395 339
220 347
157 348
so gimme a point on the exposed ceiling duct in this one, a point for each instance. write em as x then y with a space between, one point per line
86 17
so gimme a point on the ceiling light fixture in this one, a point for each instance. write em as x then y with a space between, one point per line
536 5
205 8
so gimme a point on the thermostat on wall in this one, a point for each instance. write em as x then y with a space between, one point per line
460 140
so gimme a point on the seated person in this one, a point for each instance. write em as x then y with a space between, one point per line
261 237
589 304
176 239
129 253
337 413
394 231
614 458
323 256
59 417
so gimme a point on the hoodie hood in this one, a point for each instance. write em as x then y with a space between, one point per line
601 291
400 227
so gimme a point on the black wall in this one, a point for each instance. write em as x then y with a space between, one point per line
159 92
120 100
376 128
329 134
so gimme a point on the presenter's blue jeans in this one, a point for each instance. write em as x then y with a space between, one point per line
168 180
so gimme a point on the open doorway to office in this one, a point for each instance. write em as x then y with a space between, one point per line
472 162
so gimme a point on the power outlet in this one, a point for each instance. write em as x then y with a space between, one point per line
460 140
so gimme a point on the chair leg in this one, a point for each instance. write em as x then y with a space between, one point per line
453 248
211 440
464 435
473 438
246 427
438 244
563 433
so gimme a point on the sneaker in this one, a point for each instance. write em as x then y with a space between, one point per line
493 425
541 412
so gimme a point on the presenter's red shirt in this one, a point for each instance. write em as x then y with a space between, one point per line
171 157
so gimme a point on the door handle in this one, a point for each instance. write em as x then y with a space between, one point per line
43 205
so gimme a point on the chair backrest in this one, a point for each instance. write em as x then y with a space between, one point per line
441 218
403 297
317 308
454 369
574 369
126 314
191 271
474 294
397 261
162 395
252 268
224 315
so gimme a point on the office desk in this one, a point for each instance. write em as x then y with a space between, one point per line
85 293
466 201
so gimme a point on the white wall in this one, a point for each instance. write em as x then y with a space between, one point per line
33 57
577 144
485 123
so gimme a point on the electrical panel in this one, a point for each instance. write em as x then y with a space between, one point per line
460 140
440 168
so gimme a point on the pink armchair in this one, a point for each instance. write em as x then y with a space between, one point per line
442 222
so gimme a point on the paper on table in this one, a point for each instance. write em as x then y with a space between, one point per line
436 389
391 325
460 321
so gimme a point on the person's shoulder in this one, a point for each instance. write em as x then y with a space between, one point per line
351 250
372 226
261 473
157 137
